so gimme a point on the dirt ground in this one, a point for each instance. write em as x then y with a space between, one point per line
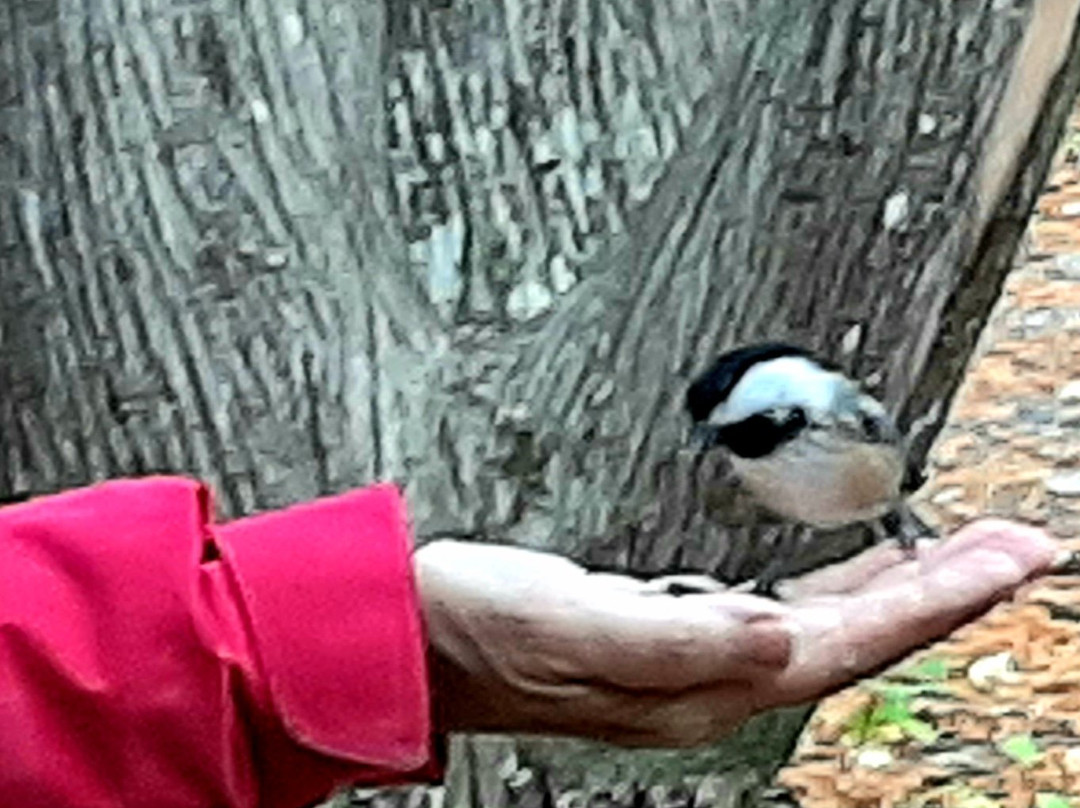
990 716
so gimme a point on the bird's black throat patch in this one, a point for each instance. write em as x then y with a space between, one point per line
761 433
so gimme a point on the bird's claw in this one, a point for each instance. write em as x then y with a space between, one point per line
687 584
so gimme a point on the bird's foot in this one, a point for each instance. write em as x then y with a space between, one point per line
686 584
765 588
762 587
908 545
906 527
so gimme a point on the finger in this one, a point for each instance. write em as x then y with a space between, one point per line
1031 547
859 571
851 574
840 638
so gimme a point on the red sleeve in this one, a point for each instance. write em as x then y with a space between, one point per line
148 657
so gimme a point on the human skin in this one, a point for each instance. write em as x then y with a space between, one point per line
529 642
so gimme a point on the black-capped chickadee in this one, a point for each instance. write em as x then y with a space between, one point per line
804 440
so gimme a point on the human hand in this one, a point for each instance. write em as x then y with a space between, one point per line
530 642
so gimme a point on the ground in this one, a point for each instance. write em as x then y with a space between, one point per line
990 716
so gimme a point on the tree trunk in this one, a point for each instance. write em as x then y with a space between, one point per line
295 246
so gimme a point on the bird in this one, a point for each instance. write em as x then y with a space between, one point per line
808 444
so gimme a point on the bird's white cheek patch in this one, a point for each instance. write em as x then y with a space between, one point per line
784 382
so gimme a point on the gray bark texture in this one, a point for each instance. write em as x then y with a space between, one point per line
479 247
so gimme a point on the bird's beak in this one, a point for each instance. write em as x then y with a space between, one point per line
704 436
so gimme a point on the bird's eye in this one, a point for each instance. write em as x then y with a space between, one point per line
873 427
797 417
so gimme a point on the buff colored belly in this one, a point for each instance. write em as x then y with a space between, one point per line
825 488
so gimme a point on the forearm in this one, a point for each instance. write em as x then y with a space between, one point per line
160 659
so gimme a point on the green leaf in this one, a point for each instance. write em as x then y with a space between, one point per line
1048 800
888 719
931 669
888 734
1021 748
863 720
919 730
892 691
859 726
893 712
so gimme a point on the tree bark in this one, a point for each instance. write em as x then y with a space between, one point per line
295 246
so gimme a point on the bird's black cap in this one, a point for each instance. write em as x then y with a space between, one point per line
715 384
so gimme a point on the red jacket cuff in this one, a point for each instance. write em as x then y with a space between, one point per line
329 591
